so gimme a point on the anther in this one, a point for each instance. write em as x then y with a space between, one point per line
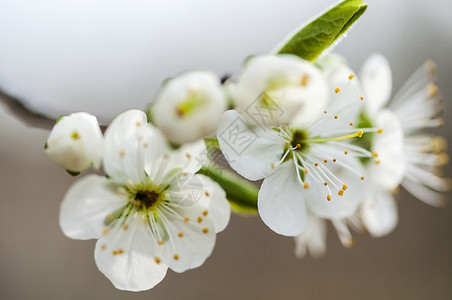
188 155
336 117
380 130
103 247
345 152
351 76
432 89
272 165
316 164
337 90
306 185
362 178
325 161
325 112
328 197
351 124
306 171
205 230
122 153
204 213
374 154
176 257
125 226
157 260
186 219
199 219
304 80
180 234
360 133
160 242
377 162
334 160
207 193
325 183
344 187
340 193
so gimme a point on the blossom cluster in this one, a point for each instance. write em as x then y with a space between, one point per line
328 144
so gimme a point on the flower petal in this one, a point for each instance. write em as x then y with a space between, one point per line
312 239
253 152
189 158
128 255
344 104
376 78
190 237
388 145
332 201
213 203
281 202
130 145
86 206
379 213
274 89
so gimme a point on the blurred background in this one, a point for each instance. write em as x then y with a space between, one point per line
106 56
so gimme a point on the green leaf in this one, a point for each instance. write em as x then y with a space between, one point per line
320 34
241 193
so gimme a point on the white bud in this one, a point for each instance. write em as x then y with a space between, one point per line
188 107
275 89
76 142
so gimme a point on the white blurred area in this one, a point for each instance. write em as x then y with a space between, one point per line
105 56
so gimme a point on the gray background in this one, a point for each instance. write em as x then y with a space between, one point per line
249 262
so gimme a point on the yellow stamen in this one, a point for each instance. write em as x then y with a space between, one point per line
340 138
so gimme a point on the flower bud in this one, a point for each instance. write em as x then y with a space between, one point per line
76 142
188 107
274 89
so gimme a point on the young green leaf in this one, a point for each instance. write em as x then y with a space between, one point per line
309 42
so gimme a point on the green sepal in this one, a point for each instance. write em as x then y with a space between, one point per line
241 194
320 34
73 173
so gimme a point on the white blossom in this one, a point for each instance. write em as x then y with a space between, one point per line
417 106
272 90
311 167
76 142
151 213
188 106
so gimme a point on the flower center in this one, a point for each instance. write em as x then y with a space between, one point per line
191 103
299 139
146 199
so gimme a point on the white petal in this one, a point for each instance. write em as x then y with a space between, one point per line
190 237
130 145
129 255
86 206
337 207
76 142
208 103
253 152
344 105
376 78
379 213
281 203
389 146
213 203
312 239
292 85
189 158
